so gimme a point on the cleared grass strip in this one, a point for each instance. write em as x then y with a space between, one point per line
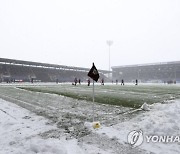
126 96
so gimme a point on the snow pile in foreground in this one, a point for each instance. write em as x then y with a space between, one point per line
19 131
161 120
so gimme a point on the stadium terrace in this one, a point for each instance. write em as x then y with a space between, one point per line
12 70
167 72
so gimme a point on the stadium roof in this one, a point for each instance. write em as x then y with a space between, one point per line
148 64
45 65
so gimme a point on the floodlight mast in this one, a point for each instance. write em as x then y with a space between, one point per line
109 43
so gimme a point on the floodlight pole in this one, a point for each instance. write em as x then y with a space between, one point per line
109 43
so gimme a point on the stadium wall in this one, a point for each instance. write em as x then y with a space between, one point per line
24 71
168 72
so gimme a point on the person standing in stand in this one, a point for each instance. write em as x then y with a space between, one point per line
75 81
136 82
79 81
102 81
122 82
88 82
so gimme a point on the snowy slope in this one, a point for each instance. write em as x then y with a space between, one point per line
19 131
161 120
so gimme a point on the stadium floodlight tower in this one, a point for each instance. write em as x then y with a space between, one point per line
109 43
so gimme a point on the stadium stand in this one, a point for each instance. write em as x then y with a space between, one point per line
12 70
167 72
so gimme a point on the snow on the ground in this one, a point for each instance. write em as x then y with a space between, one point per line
19 131
161 120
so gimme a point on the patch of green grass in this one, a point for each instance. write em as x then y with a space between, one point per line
88 97
127 96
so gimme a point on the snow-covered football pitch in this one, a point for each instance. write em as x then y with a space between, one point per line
59 116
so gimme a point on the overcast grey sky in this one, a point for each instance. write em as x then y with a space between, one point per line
74 32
